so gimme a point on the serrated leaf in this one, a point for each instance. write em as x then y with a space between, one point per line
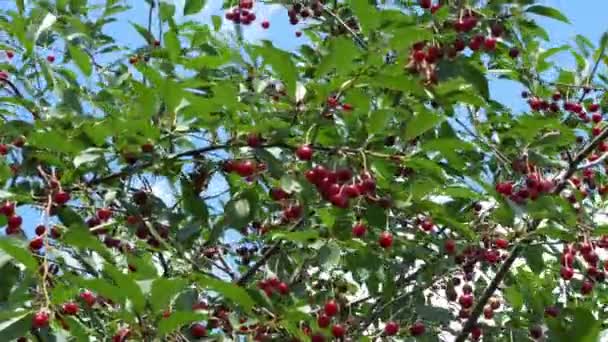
128 287
549 12
366 13
281 63
163 290
82 60
148 37
193 6
47 22
422 122
80 237
16 327
514 298
19 252
228 290
178 319
172 45
238 213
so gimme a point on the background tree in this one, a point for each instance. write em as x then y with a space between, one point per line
375 189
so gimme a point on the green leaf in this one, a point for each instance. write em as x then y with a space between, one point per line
193 6
148 37
87 156
82 60
585 327
367 14
164 290
47 22
462 68
172 44
128 287
300 236
341 53
69 217
229 291
514 298
19 252
81 237
422 122
217 22
329 255
238 213
178 319
16 327
548 12
281 63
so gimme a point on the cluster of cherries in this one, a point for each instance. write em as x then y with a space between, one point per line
587 251
243 14
538 104
274 285
299 11
532 186
338 186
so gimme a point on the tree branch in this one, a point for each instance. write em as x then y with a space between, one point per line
269 253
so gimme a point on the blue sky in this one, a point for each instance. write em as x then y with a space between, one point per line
587 17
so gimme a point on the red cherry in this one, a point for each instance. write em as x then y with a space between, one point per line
552 311
40 320
36 243
476 332
391 328
338 330
14 221
466 300
426 4
283 288
417 329
55 233
596 117
317 338
323 320
502 243
61 197
514 52
265 24
488 313
594 107
536 332
489 44
304 152
9 54
133 60
419 56
359 230
104 214
50 58
566 273
339 200
40 230
147 148
88 297
254 140
450 246
245 168
435 8
332 102
198 330
587 287
278 194
427 225
70 308
331 308
497 30
3 149
596 131
347 107
385 240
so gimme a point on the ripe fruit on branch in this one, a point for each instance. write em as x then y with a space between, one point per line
331 308
323 320
198 330
417 329
40 319
391 328
304 152
37 243
385 240
61 197
359 230
70 308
